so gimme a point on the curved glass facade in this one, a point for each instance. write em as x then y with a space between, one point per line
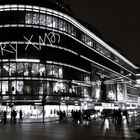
46 53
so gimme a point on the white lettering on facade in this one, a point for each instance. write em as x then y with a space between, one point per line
12 47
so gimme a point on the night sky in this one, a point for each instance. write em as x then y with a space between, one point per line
118 21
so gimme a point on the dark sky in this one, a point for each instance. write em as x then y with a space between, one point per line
118 21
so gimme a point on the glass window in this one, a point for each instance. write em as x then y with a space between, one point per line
27 87
4 87
49 70
60 71
41 86
0 88
49 21
55 71
27 69
71 29
35 18
42 19
59 87
12 71
42 71
12 87
49 87
34 87
0 68
5 69
35 71
62 25
88 40
20 69
19 88
55 22
28 18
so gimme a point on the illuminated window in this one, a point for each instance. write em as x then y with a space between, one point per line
42 19
62 25
5 69
55 22
19 88
60 71
49 21
0 88
28 18
42 71
59 87
35 71
55 71
12 70
4 87
35 18
20 69
49 70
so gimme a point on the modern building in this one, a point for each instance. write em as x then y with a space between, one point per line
49 57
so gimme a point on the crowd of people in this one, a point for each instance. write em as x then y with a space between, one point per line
115 114
84 116
13 118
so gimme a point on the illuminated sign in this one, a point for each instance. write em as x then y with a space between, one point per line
7 47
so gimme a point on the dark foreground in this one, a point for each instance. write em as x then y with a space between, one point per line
97 130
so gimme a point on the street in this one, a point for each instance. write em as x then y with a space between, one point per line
97 130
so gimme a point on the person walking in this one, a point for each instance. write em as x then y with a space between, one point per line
20 116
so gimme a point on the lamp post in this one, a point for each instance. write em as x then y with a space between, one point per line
43 104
